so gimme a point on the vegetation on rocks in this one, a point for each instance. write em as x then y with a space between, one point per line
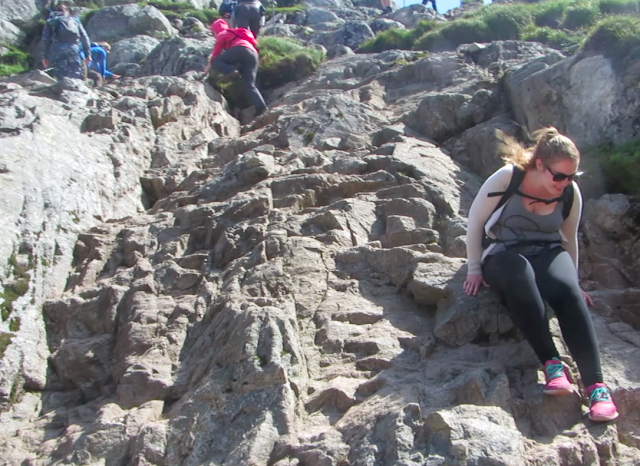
560 24
282 60
14 61
616 37
14 290
5 340
621 166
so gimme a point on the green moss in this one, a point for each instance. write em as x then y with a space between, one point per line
621 167
5 341
14 325
14 61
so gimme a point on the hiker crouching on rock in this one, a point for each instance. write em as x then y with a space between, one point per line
248 14
63 41
98 71
522 241
235 54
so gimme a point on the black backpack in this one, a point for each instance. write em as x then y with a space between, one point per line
67 30
514 184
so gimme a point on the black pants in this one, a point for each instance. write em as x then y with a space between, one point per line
433 2
526 282
248 15
246 61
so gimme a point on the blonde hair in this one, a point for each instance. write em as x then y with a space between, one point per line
550 147
104 45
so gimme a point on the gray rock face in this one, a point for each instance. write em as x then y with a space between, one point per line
579 95
382 24
10 34
319 15
287 292
22 13
351 34
119 22
132 50
412 14
178 55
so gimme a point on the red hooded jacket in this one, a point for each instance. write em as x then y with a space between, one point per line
231 37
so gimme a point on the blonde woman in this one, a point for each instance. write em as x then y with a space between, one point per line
522 241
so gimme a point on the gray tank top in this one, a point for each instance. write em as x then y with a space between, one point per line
517 224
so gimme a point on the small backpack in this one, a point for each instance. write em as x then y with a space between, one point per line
226 8
67 30
514 184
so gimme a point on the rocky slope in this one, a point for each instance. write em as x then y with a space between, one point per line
288 292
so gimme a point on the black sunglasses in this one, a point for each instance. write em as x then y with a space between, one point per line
557 176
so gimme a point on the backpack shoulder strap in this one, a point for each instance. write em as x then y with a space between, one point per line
567 200
514 184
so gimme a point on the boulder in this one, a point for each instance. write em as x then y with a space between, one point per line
132 50
319 15
478 148
119 22
382 24
470 434
21 13
351 34
178 55
579 95
10 34
410 15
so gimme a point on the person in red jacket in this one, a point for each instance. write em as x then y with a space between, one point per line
236 54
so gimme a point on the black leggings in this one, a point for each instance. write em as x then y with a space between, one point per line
526 282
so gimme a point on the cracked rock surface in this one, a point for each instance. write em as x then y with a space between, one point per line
288 292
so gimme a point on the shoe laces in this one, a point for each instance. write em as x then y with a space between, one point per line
554 370
600 394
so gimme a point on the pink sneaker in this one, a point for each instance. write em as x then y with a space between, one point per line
556 377
601 406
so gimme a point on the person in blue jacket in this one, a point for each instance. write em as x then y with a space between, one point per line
98 68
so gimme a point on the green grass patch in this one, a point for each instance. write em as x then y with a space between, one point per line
621 167
177 7
206 16
549 14
5 341
619 7
392 39
283 60
14 61
616 37
555 38
581 16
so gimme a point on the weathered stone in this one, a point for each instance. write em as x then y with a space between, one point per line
132 50
119 22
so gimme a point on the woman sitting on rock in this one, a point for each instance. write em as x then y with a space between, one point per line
522 241
235 54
